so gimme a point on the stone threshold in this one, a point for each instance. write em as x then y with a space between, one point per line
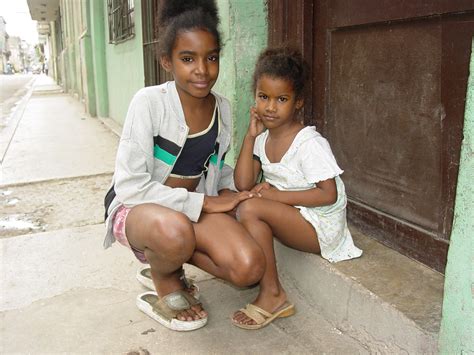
390 303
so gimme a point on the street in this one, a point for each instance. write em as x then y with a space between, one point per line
12 89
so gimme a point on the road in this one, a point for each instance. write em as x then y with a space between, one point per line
12 89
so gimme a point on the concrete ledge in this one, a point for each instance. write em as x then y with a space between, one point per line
48 90
388 302
112 125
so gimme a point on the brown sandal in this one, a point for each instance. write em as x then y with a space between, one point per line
262 317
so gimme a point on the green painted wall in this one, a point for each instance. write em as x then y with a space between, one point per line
71 17
87 61
53 55
125 73
69 50
98 35
457 322
244 34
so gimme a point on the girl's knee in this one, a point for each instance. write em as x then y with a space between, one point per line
248 209
172 233
248 267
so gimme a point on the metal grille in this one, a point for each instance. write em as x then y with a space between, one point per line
154 73
121 20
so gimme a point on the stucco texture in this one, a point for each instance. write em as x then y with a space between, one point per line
457 324
244 35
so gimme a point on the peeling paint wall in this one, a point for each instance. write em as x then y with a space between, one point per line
244 34
457 323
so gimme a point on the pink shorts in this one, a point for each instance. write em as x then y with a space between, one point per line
119 232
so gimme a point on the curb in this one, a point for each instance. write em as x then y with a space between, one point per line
18 114
112 125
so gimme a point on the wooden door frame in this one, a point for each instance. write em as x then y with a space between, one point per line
314 24
291 23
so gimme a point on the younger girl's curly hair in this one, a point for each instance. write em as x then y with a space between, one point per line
177 16
282 63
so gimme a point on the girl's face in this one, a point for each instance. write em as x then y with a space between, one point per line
276 101
194 63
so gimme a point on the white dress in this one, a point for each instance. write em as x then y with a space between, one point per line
308 161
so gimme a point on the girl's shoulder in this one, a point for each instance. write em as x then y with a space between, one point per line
262 137
225 110
155 91
219 97
309 136
310 139
222 101
151 95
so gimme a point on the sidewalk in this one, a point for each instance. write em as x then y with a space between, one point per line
56 139
61 292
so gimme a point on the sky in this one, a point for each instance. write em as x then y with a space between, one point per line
19 23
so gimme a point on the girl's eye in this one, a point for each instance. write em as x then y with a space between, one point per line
187 59
282 99
263 97
213 58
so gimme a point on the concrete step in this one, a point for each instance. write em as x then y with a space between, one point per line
390 303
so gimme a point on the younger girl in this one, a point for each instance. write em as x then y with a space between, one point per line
303 201
171 189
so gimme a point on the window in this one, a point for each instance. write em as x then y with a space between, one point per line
121 20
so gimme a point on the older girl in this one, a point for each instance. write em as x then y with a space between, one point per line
171 188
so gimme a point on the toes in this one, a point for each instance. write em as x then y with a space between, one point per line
199 311
185 316
241 318
194 313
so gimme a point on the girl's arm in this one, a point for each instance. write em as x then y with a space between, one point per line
324 194
247 168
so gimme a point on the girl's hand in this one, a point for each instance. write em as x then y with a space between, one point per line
259 187
270 194
265 190
225 202
255 125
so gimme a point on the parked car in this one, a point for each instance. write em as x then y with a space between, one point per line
36 69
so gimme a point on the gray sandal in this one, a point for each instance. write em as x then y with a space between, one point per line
165 309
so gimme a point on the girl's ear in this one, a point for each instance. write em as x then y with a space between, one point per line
166 63
299 103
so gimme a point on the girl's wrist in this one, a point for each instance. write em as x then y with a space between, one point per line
250 137
205 203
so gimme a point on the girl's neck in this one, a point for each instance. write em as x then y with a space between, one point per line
198 112
195 103
284 131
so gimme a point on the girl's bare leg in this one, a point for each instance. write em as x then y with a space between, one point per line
226 250
168 241
264 219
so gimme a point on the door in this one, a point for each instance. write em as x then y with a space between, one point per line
388 91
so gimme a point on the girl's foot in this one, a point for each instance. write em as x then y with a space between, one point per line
270 304
144 277
177 311
189 309
262 318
